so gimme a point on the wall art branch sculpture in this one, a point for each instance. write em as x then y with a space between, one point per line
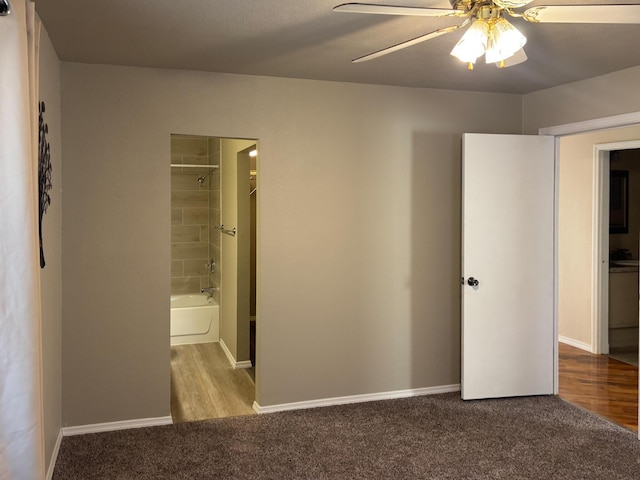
44 174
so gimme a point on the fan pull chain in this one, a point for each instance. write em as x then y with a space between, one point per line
470 67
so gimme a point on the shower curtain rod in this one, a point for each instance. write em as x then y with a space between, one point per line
5 8
191 165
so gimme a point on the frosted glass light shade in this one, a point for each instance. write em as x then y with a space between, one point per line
504 41
473 43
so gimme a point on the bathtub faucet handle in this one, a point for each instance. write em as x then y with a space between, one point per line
211 265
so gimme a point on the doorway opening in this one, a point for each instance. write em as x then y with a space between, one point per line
624 228
213 276
589 245
615 246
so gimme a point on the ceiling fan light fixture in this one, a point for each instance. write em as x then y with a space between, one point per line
5 8
504 41
512 3
473 43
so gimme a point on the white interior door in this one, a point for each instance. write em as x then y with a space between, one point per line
508 217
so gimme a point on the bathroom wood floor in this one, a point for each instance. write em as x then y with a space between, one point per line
203 384
599 384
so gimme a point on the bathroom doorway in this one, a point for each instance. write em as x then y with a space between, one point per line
615 247
624 229
211 264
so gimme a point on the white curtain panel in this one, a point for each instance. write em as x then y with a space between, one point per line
21 434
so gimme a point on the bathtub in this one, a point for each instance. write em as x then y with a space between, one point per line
194 319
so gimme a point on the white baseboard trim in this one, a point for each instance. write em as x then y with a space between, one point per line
54 457
227 353
368 397
234 363
575 343
111 426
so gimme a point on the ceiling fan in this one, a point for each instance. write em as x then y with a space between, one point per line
489 33
5 8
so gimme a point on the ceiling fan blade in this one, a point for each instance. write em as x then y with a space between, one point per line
584 14
393 10
408 43
519 57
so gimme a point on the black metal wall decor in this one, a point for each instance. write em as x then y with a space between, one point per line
44 174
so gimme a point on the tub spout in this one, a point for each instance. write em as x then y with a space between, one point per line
208 290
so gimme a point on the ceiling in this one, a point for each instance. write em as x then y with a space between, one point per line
306 39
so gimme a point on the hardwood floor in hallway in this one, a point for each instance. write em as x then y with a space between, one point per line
204 385
599 384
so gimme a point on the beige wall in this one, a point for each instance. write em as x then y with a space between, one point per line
116 254
360 216
234 306
51 275
598 97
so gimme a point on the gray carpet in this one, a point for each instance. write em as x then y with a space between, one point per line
433 437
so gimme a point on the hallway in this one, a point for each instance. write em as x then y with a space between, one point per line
599 384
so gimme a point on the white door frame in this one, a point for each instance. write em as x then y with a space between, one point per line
601 152
600 251
600 281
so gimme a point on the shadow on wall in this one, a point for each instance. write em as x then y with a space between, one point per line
435 257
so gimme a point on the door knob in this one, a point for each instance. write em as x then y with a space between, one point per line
472 282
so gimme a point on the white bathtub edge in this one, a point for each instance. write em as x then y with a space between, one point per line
197 323
112 426
368 397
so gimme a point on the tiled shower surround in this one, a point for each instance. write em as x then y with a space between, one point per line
195 210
